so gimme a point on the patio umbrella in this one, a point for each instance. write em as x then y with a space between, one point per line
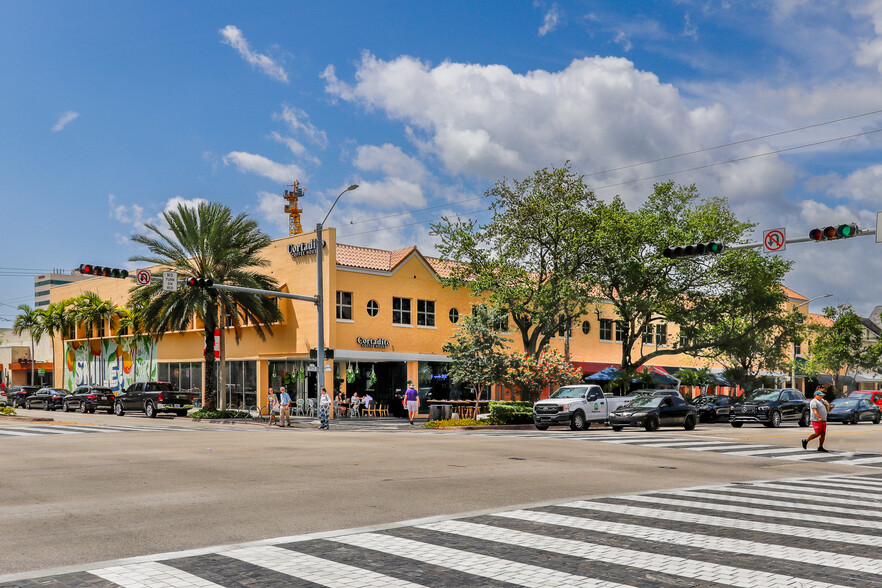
604 375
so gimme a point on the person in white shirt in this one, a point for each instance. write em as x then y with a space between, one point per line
366 400
325 410
354 405
818 407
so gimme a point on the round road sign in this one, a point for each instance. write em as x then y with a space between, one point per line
774 240
143 277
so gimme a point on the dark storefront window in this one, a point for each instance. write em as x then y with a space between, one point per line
434 383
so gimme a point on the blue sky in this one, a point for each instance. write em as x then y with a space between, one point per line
111 112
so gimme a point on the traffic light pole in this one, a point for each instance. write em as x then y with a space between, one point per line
273 293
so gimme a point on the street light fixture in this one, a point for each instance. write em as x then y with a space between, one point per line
319 302
793 366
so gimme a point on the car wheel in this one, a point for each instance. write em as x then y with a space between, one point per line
689 424
856 419
149 410
775 419
736 425
617 427
28 404
118 409
46 405
652 423
805 419
542 427
577 421
878 418
65 407
83 408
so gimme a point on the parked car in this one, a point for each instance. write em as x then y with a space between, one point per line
46 398
874 396
771 407
652 412
89 399
152 398
16 395
854 410
712 408
577 406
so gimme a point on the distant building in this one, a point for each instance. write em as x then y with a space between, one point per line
44 282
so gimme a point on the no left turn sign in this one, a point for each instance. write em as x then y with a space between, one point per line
143 277
775 240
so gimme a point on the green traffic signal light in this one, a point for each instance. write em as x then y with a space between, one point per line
846 231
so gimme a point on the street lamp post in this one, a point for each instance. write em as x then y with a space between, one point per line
319 302
793 366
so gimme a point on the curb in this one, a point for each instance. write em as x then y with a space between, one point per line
26 419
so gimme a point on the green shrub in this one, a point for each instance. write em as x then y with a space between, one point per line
220 414
511 412
8 411
458 423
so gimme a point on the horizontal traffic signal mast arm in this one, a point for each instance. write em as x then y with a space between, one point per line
273 293
840 232
100 270
857 233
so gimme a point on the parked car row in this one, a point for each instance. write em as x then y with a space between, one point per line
581 405
151 398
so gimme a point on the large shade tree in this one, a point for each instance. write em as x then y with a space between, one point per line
529 260
839 350
705 296
206 241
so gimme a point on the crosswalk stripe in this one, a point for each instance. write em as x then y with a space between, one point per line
766 502
752 491
151 575
748 510
759 450
864 481
715 543
16 432
313 569
718 521
721 447
849 485
483 566
802 487
704 571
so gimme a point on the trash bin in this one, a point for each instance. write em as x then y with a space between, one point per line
436 412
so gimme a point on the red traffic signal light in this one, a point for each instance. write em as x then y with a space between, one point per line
834 232
710 248
200 282
98 270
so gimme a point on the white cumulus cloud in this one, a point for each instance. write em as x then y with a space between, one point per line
262 166
551 20
233 37
390 160
65 119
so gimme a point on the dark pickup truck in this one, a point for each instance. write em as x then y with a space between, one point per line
152 398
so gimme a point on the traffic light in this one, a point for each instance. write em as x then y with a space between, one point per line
710 248
313 353
99 270
831 233
200 282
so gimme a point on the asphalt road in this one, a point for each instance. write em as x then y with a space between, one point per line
70 499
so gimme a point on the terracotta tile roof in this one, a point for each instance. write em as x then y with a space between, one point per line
820 319
363 257
793 294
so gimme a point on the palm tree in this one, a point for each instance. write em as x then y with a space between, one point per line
92 311
29 320
207 242
130 322
57 319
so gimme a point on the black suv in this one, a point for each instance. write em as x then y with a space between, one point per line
152 398
89 399
46 398
16 395
771 406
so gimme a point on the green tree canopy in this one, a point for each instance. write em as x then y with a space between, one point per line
30 321
705 296
530 258
839 349
206 241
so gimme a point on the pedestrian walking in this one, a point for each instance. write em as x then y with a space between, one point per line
325 411
818 407
272 403
284 408
411 401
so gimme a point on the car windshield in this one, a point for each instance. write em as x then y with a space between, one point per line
102 390
646 402
866 395
846 402
570 392
763 396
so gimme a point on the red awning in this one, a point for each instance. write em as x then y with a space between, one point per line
592 367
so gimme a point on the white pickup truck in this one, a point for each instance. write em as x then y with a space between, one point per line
577 406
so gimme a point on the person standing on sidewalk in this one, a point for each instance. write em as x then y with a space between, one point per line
284 408
818 406
325 411
411 401
272 403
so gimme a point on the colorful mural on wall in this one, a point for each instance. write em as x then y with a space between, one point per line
112 363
